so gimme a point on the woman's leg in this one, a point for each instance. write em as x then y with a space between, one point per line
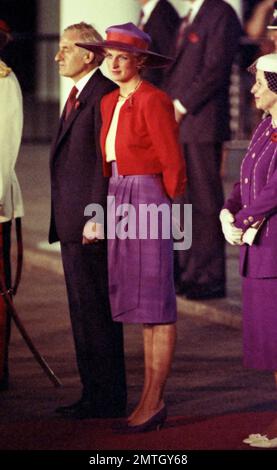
163 346
148 358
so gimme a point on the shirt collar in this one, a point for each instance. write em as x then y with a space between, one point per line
83 81
194 8
147 9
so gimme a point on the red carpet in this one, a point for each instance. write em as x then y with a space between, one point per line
216 433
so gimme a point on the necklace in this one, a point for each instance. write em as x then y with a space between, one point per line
131 92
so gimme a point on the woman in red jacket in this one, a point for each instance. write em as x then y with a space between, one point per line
141 153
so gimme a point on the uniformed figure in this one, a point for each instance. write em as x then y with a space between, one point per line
11 123
249 219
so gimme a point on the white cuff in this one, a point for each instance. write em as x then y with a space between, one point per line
178 105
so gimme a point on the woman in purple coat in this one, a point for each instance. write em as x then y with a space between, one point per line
249 219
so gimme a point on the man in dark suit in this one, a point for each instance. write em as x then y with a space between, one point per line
160 20
74 185
198 81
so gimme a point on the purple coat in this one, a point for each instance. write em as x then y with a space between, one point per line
254 198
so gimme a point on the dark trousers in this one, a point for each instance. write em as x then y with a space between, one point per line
204 262
5 319
98 340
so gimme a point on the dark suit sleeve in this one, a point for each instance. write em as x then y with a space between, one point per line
162 26
221 45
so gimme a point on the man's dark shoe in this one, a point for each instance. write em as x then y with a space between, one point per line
205 292
85 410
73 408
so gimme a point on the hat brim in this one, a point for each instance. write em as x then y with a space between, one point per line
153 59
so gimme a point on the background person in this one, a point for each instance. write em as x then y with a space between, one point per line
249 219
160 20
198 82
11 206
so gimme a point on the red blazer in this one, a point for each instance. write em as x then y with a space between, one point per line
147 137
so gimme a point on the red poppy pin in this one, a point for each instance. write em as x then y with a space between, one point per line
274 137
193 38
77 104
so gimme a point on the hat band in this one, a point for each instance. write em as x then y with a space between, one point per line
129 40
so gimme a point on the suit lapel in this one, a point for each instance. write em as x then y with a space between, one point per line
65 126
204 10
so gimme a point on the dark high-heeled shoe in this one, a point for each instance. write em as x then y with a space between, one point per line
155 423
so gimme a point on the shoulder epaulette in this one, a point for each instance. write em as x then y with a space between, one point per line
4 70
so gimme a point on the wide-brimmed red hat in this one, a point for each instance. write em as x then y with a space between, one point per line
127 37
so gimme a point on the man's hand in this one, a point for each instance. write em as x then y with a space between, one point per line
232 234
92 233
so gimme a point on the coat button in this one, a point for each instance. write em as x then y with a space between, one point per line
246 180
250 218
245 222
244 206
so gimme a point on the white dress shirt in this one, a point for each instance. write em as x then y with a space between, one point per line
147 10
83 81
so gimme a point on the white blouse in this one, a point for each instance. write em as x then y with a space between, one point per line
111 136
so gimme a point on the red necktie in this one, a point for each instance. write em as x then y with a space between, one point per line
71 100
181 31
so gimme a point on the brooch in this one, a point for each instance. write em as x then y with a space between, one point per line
193 38
273 137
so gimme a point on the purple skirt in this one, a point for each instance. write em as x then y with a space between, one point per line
260 323
141 286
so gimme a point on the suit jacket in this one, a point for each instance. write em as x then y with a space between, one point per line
75 178
11 123
161 26
199 75
144 144
254 198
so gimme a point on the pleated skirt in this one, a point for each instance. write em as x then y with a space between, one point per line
141 286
